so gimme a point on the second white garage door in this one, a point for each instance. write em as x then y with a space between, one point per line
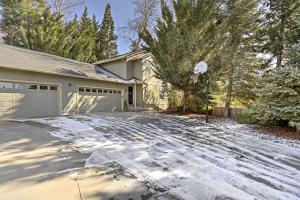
24 100
99 100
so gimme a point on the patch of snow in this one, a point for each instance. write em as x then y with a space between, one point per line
234 126
193 160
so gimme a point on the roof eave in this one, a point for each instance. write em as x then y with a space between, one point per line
65 75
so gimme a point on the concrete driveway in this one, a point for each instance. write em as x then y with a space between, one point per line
28 151
34 165
187 158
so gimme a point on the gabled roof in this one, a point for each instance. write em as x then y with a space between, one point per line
27 60
126 57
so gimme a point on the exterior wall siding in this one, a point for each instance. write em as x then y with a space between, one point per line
68 85
119 68
152 89
138 69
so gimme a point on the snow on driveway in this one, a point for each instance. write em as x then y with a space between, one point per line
193 160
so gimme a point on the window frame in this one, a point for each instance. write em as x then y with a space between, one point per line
44 87
7 88
53 86
20 84
30 85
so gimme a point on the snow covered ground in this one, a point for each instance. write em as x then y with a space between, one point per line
234 126
192 160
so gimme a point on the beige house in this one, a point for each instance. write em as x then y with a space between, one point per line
34 84
145 91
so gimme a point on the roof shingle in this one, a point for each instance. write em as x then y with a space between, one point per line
28 60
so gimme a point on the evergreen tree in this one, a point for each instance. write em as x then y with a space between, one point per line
279 27
83 39
87 35
50 31
240 16
21 21
70 34
181 40
98 44
108 37
279 95
11 13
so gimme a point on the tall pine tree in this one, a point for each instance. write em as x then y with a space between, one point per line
83 38
21 20
107 35
279 93
279 28
182 39
279 96
240 17
49 36
12 14
98 44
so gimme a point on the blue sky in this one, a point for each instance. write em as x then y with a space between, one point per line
122 11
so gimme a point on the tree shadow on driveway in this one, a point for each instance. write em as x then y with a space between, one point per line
27 151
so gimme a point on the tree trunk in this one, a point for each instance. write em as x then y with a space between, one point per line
279 53
279 59
186 95
234 43
229 91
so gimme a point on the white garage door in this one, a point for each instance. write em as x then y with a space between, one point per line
23 100
99 100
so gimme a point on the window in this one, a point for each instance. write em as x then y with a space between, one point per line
148 71
105 91
19 86
6 85
32 87
110 91
164 91
81 89
87 90
43 87
94 90
100 91
119 91
115 92
53 88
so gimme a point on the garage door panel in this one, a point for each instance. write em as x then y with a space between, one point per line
98 102
18 96
23 102
5 95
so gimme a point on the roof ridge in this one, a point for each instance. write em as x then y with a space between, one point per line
121 56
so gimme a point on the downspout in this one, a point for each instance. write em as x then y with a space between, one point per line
134 93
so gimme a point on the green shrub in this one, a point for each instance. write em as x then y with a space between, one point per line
246 118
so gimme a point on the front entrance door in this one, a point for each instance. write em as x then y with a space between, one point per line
130 95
